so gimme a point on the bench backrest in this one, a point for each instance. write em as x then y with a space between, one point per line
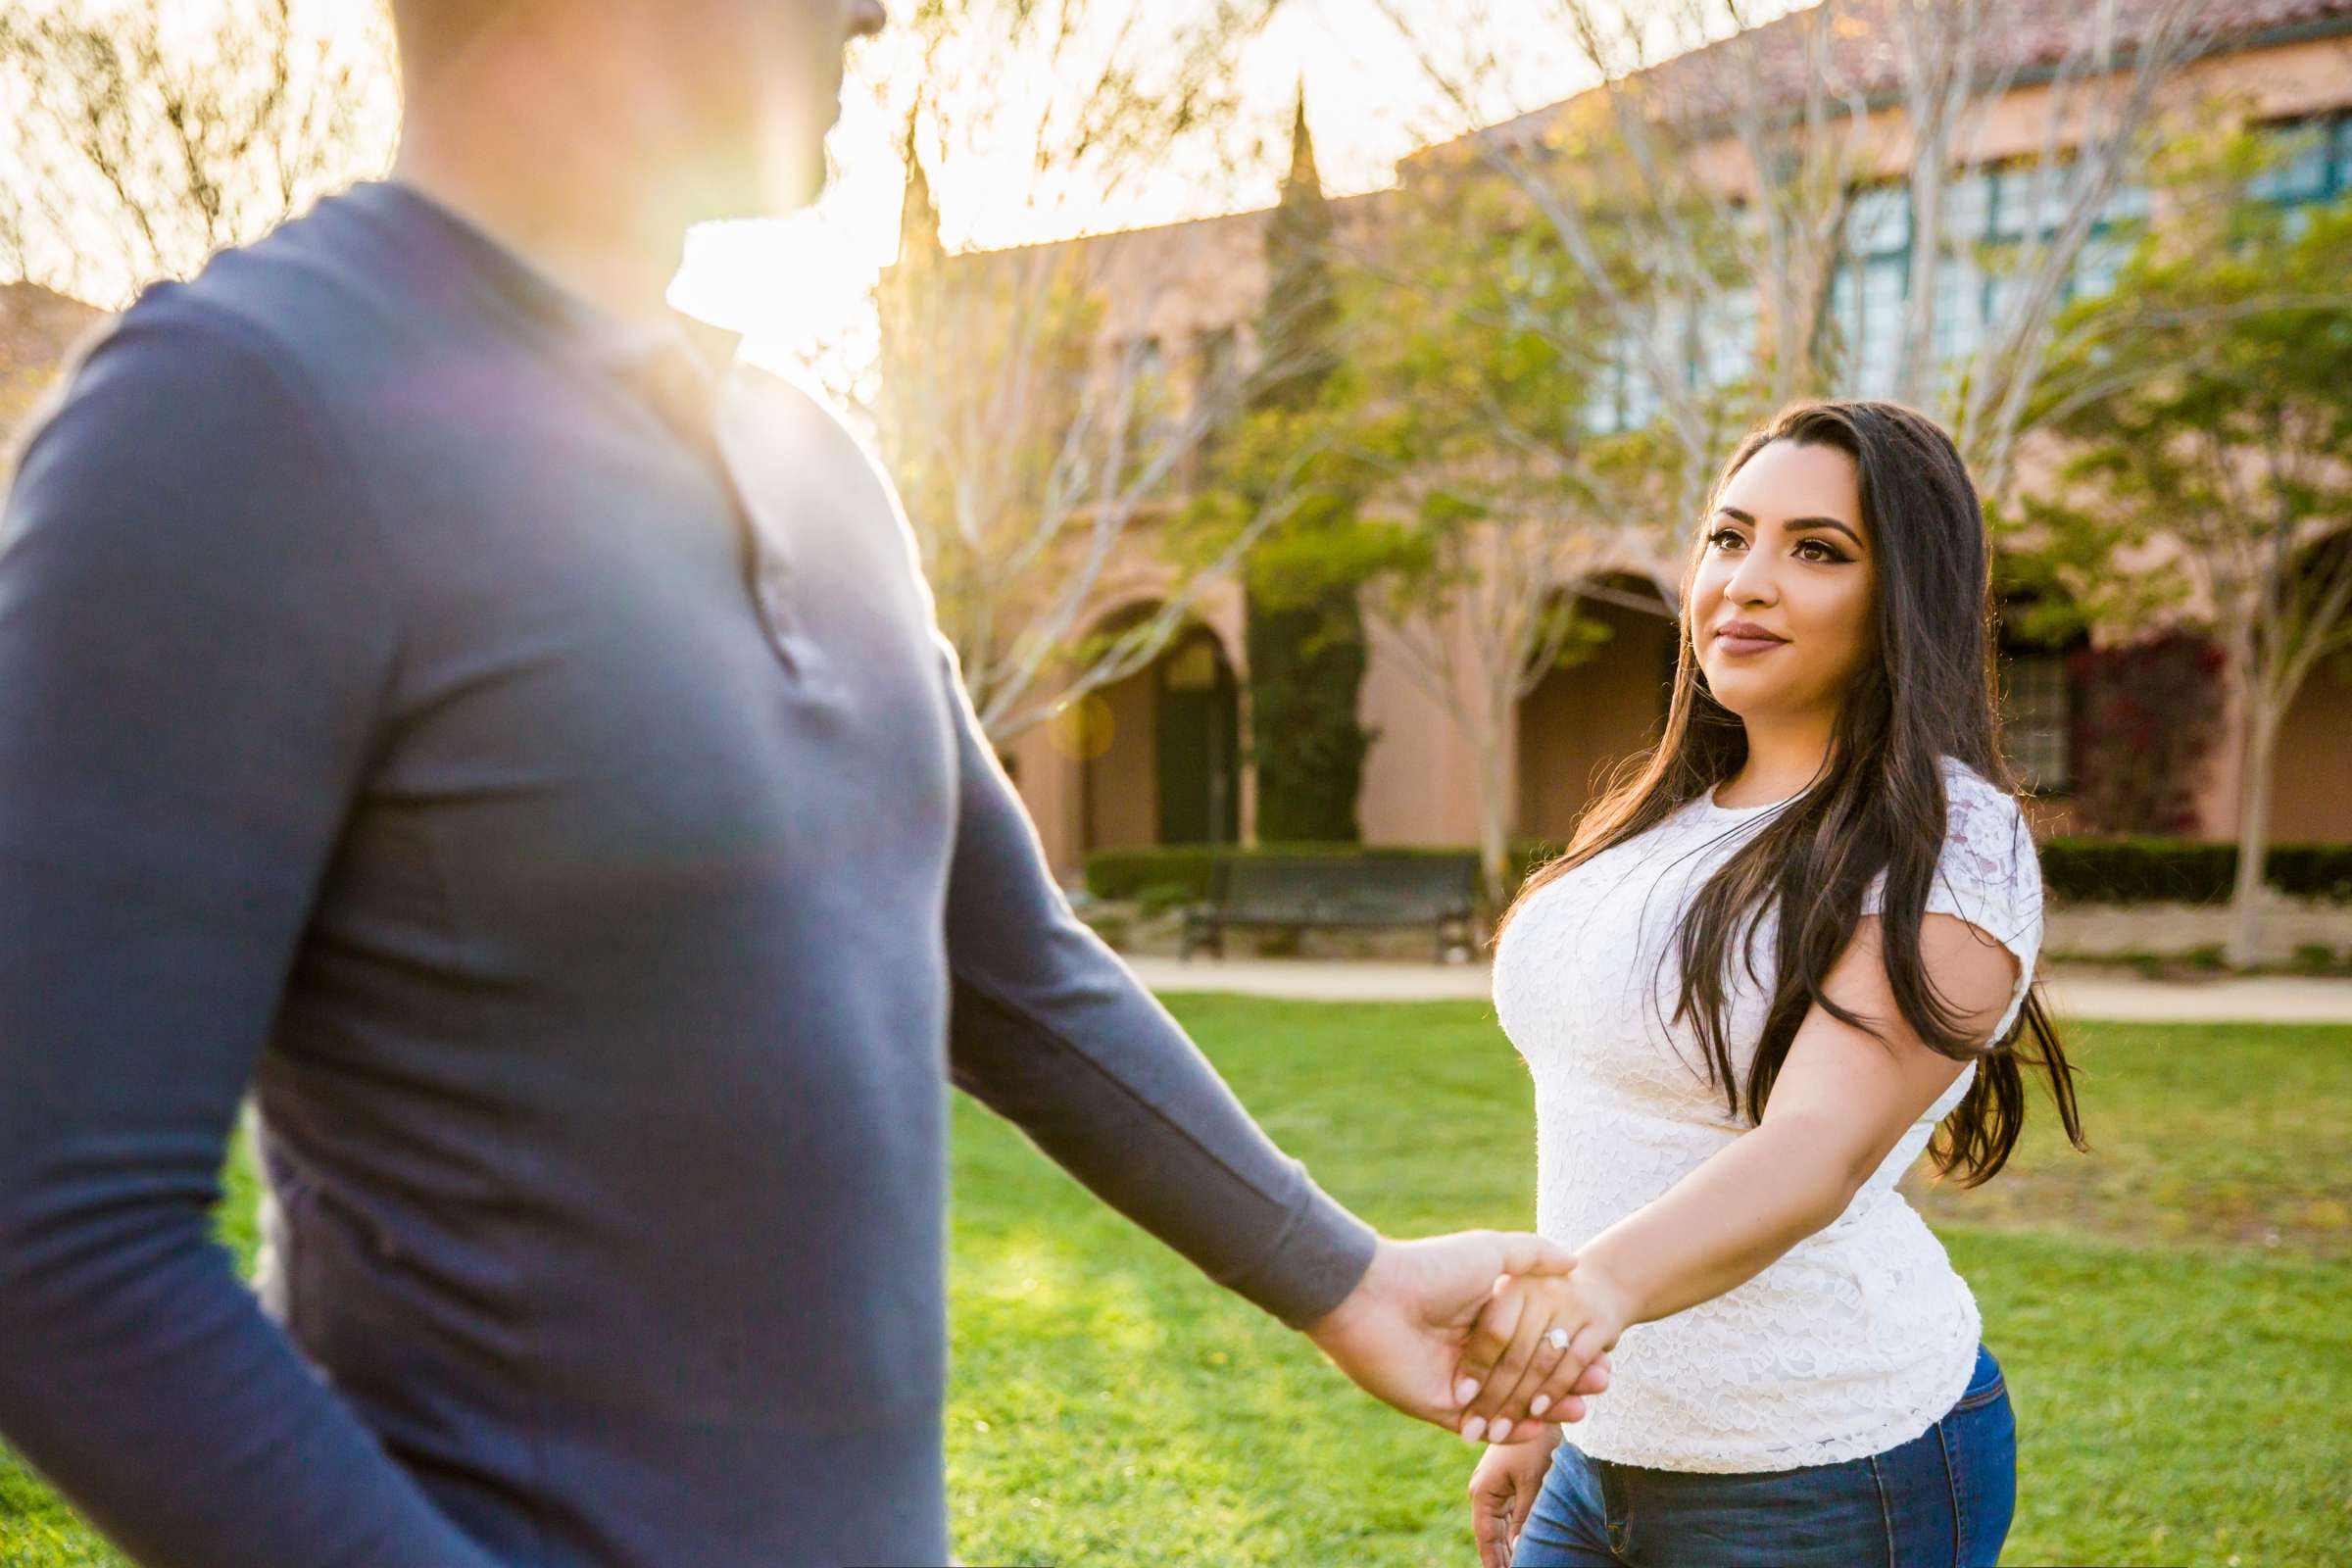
1313 887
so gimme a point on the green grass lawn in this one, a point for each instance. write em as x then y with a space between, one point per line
2170 1311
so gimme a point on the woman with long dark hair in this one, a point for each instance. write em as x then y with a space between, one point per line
1788 949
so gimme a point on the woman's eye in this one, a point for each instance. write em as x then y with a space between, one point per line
1827 554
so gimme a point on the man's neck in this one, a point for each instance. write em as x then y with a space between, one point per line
618 266
624 274
607 233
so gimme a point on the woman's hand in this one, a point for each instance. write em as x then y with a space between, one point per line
1503 1489
1400 1333
1533 1341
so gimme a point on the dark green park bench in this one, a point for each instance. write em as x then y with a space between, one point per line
1343 890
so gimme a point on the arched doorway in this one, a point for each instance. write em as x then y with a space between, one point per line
2308 798
1584 716
1166 767
1198 722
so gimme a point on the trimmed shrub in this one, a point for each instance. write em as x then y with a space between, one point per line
2136 870
2078 869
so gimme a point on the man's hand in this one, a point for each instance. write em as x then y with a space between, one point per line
1400 1333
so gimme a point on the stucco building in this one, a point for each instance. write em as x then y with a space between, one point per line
1156 759
38 328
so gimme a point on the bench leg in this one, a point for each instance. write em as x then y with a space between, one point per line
1452 934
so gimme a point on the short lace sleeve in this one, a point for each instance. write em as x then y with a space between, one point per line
1988 875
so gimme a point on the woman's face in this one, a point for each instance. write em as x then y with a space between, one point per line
1785 554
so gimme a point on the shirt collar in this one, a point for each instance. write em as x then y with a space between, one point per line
654 355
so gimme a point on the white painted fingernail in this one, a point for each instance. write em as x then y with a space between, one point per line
1465 1390
1474 1429
1500 1434
1538 1404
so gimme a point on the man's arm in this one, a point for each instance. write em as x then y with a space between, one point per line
194 643
1052 1031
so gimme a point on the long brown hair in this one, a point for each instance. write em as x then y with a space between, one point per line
1878 802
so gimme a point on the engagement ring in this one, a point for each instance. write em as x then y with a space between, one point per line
1557 1338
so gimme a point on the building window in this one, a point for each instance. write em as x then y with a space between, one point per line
1220 363
2317 167
1603 405
1150 362
1959 308
2036 719
2309 171
1622 396
1713 346
1866 297
1641 402
1988 216
1142 364
1727 339
2114 234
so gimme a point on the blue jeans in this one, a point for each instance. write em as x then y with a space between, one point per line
1943 1499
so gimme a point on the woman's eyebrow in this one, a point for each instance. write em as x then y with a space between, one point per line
1798 523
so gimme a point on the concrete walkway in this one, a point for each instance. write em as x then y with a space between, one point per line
2072 992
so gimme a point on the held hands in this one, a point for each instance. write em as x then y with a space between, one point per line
1515 1349
1534 1345
1402 1334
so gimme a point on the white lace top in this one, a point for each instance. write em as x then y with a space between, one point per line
1858 1337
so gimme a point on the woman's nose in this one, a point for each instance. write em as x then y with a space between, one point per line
1749 581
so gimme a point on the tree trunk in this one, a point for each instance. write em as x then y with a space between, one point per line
1494 820
2260 733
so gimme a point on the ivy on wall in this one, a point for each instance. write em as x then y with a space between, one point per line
2149 716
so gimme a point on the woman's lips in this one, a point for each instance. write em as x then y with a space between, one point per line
1732 644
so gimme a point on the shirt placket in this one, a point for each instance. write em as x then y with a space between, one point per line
694 405
734 427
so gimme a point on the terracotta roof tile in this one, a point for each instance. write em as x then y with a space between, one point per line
2019 36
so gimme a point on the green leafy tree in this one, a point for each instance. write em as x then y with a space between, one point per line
1306 628
1492 509
1756 134
2208 407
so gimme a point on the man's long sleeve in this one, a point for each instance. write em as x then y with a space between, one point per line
195 641
1052 1031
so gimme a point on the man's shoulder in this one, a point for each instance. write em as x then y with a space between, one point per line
203 412
174 361
317 299
297 326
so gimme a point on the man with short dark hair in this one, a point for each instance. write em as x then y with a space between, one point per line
431 699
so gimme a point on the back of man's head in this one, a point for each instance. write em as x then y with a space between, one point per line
719 106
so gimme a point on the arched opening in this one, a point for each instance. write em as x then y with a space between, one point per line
1165 767
2308 798
1583 717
